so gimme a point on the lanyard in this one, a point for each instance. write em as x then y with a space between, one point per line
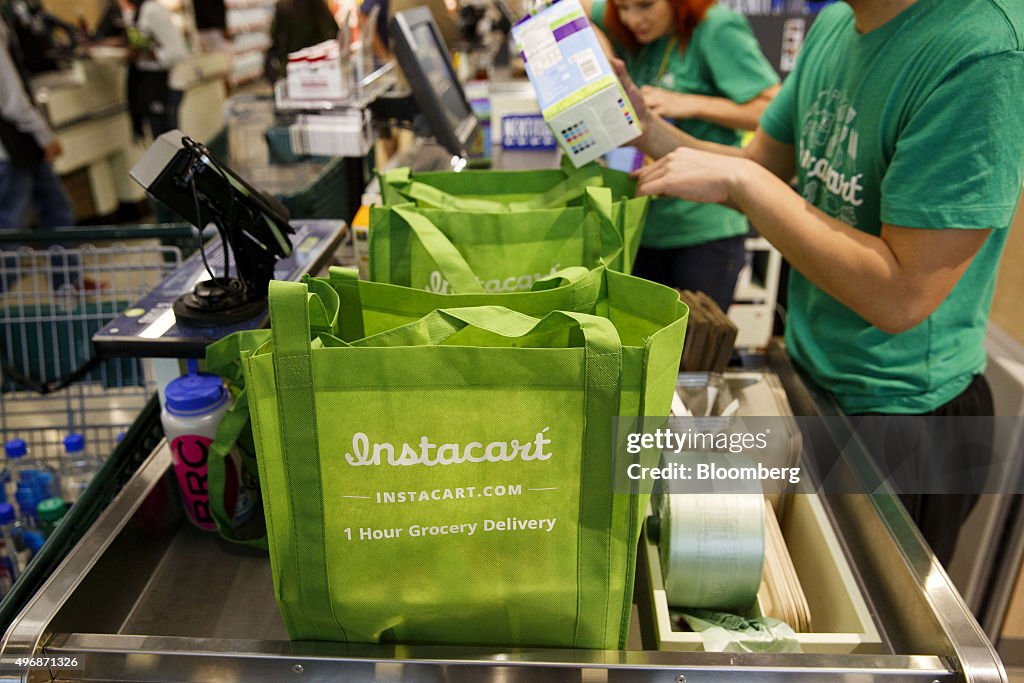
664 58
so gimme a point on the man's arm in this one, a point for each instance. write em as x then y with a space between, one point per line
660 137
893 281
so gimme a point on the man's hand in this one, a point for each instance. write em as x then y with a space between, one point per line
673 105
692 174
53 149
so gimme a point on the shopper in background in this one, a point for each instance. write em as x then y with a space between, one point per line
37 31
212 25
27 148
698 65
156 44
906 139
379 28
297 24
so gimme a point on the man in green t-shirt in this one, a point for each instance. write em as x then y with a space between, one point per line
902 126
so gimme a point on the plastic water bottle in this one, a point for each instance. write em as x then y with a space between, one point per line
77 468
10 565
27 497
193 407
14 450
22 465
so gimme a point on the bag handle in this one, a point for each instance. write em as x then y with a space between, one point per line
441 324
427 196
603 242
570 289
573 187
300 451
451 264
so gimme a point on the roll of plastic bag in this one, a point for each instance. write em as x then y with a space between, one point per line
712 549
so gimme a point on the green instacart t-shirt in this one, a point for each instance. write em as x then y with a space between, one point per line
723 59
916 124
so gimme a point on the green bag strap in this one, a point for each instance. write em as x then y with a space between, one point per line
578 290
324 305
562 278
573 187
293 375
450 262
223 356
603 241
582 287
231 428
428 196
437 326
345 281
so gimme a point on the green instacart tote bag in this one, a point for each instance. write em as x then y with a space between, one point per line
458 251
450 480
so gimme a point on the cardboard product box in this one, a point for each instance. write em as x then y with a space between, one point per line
579 95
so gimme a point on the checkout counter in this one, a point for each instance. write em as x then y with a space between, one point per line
144 595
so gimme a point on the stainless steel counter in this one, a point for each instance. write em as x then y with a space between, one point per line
146 597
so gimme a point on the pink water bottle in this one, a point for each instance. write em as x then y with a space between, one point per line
193 407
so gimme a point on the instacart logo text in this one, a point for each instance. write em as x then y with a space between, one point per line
428 453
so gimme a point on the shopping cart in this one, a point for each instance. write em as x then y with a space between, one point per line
56 290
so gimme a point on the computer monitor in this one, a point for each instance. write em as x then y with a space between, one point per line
423 57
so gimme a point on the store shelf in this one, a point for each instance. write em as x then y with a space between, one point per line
248 24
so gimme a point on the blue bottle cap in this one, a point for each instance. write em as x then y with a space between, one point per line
15 448
6 513
74 443
195 394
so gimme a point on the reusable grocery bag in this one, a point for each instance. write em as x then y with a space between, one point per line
457 251
495 190
450 480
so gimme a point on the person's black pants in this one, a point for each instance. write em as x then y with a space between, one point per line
711 267
944 452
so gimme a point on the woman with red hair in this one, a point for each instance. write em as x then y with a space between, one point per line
698 65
